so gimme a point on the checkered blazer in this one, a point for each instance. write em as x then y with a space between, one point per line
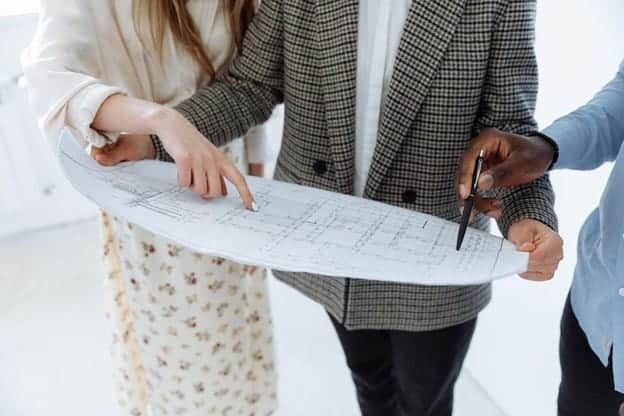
462 66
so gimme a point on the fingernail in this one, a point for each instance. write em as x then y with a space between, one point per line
498 204
254 206
462 191
486 182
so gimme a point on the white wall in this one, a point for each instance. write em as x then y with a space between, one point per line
33 193
514 355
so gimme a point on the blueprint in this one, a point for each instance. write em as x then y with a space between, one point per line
296 228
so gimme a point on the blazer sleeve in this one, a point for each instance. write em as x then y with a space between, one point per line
508 103
247 94
61 66
593 134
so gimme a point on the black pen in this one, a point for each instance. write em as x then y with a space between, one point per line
469 204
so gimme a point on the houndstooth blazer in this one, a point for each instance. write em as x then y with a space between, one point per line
462 66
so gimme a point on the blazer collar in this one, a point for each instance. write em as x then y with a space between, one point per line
429 28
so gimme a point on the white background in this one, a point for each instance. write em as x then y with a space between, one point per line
580 44
514 354
13 7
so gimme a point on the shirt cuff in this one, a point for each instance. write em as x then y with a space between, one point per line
552 143
558 132
83 109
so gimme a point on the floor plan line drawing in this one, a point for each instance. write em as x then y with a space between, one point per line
297 228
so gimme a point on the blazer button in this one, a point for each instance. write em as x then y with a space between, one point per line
409 197
320 167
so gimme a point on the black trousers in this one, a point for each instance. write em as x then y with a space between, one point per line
587 387
398 373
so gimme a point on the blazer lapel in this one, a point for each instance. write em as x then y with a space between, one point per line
338 33
428 31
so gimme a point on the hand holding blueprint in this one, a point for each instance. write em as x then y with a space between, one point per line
297 228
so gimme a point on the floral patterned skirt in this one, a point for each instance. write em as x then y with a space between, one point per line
192 334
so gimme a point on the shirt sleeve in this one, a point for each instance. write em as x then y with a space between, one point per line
593 134
61 66
257 145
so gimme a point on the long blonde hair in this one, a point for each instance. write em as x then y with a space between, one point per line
173 15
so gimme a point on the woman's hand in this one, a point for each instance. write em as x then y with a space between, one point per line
201 166
128 147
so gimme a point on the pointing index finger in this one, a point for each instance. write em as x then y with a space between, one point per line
238 180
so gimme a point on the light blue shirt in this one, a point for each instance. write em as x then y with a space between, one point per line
587 138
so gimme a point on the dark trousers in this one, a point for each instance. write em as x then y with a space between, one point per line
398 373
586 385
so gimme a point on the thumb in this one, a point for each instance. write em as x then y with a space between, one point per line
526 247
122 151
508 173
523 237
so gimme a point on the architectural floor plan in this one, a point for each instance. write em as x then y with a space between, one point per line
296 228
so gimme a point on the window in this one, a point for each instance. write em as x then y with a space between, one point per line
18 7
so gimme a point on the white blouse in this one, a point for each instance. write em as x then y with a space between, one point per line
84 51
377 51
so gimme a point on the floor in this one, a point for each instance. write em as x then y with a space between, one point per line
54 357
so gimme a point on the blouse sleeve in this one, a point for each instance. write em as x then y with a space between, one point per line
257 145
61 67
